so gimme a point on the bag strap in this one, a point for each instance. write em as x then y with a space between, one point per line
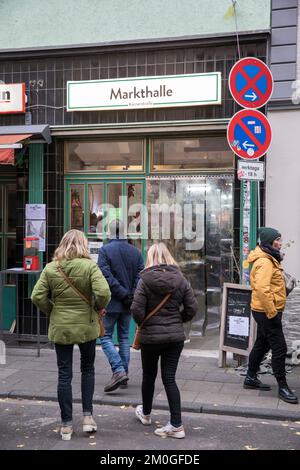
68 280
156 309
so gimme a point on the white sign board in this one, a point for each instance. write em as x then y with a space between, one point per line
238 326
251 171
12 98
35 211
145 92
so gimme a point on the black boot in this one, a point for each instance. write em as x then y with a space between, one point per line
253 382
286 394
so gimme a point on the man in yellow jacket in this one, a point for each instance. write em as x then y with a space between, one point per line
267 304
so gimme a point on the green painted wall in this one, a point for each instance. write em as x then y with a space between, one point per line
35 23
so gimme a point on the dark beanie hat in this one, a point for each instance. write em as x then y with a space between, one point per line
267 235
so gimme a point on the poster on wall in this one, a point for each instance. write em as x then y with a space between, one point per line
94 247
35 211
37 228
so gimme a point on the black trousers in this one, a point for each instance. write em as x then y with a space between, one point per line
169 354
269 336
64 353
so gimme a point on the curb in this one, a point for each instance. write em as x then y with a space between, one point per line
225 410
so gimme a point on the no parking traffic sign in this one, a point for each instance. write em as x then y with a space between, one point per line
251 82
249 134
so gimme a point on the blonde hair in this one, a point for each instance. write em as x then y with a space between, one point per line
73 244
159 254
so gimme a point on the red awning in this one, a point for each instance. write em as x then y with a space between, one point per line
7 156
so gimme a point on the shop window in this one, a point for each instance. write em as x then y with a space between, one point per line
204 153
11 208
11 252
105 156
96 208
77 206
114 202
1 207
134 201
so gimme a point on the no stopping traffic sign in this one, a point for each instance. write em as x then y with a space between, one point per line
249 134
250 82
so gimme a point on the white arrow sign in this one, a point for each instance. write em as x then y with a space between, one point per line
245 144
253 96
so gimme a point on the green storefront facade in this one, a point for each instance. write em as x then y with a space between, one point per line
168 155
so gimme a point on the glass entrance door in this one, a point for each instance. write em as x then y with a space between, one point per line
196 223
8 204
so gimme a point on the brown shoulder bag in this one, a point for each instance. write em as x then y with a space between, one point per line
137 338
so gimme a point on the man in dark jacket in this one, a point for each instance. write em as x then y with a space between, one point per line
121 264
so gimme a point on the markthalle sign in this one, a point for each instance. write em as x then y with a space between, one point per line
145 92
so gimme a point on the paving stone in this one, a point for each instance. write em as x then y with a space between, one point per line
282 405
187 396
233 389
199 386
226 378
257 402
215 398
191 375
6 372
13 379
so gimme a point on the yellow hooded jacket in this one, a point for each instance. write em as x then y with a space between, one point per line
268 286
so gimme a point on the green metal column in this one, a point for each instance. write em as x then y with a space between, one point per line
36 187
36 174
248 226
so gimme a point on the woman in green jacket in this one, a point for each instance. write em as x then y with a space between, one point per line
73 320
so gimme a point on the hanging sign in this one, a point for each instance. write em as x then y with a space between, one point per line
249 134
145 92
12 98
251 82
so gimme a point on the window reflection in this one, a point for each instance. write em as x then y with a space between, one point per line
134 201
96 208
11 208
77 206
206 260
105 156
187 154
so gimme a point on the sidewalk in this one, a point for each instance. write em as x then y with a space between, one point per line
205 388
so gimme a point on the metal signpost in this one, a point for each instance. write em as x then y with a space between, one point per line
249 136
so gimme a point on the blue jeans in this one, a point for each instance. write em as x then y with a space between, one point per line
119 361
64 353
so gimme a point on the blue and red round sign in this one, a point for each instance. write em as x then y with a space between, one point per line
249 134
251 82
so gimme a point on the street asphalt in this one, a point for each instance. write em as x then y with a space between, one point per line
34 425
205 388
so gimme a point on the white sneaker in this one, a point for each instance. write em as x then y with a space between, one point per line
66 433
89 424
170 431
146 420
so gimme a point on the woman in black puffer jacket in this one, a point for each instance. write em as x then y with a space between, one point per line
162 336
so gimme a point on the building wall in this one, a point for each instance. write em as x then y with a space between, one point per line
51 23
298 44
282 184
283 169
283 48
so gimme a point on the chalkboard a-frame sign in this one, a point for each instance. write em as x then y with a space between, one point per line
238 327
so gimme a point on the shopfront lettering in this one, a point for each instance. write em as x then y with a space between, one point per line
5 96
137 93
